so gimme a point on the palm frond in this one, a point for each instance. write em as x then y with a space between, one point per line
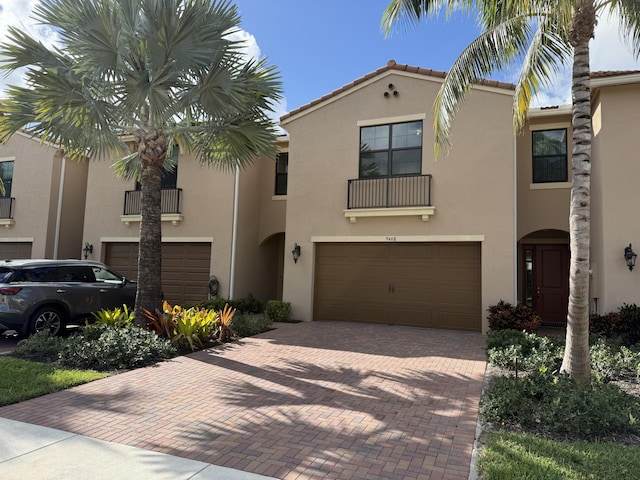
492 50
542 63
410 12
629 14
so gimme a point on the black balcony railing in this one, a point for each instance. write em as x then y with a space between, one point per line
6 207
389 192
171 201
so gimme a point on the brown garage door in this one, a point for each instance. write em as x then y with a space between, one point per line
185 268
15 250
418 284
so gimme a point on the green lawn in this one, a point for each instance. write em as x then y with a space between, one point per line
514 456
21 379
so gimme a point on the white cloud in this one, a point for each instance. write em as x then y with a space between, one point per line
17 13
608 51
252 51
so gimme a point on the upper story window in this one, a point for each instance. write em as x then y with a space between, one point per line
282 170
390 150
6 174
550 156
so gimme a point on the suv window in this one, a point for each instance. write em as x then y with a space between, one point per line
65 273
6 275
104 275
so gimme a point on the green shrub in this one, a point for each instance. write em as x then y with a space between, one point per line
612 361
278 311
248 304
245 305
246 326
41 346
559 405
105 347
525 351
630 320
194 327
607 325
118 317
503 316
187 328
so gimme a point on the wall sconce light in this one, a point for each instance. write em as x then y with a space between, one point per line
88 248
295 252
630 257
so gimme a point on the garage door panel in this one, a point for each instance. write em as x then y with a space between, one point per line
420 284
185 268
459 252
457 321
346 273
412 252
15 250
370 314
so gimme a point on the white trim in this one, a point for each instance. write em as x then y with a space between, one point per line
515 220
550 112
550 186
615 80
7 222
17 240
164 239
56 238
538 127
355 213
278 198
388 120
398 238
7 159
234 234
174 218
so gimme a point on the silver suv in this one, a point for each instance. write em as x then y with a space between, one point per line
40 295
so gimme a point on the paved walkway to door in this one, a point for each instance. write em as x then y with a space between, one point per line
304 401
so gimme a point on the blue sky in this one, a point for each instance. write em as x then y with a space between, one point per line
321 46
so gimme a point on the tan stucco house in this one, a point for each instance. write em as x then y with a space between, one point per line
43 207
383 231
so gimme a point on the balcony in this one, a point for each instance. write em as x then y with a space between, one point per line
6 211
389 196
170 207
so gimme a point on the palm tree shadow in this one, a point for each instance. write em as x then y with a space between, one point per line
318 420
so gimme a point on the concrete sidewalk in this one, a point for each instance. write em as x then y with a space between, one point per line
42 453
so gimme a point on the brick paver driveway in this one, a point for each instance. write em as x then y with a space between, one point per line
309 400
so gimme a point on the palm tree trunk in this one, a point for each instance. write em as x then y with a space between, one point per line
576 361
152 151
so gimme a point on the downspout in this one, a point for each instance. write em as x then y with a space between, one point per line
234 234
515 219
56 240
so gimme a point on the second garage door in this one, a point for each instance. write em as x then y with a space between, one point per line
15 250
433 285
185 268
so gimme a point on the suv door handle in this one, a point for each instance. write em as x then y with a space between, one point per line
103 290
61 290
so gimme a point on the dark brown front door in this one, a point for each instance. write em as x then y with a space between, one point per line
546 284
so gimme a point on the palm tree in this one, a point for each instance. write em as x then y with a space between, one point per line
544 35
152 73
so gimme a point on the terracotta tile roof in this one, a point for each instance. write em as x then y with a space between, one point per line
613 73
391 65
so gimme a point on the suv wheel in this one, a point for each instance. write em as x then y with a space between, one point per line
47 318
